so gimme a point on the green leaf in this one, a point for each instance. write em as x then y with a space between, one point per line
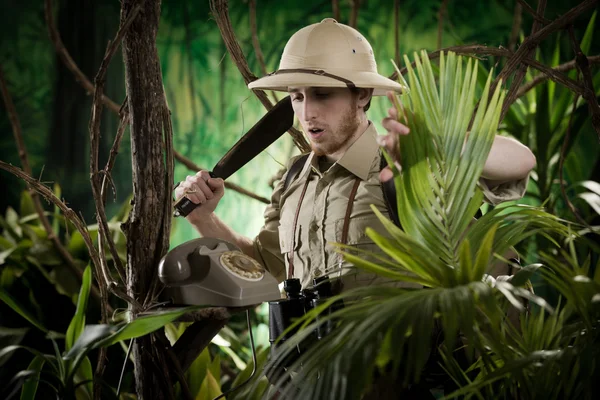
10 337
524 274
29 389
26 207
592 199
90 337
85 377
586 42
145 325
12 303
78 321
197 372
57 213
210 388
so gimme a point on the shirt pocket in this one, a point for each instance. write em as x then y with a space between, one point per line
286 246
359 242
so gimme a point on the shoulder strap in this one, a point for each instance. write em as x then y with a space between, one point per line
294 170
389 195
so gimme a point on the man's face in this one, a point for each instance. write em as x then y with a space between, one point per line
329 117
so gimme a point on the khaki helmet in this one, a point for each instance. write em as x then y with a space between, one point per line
327 54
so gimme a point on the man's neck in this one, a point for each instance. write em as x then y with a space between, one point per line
362 128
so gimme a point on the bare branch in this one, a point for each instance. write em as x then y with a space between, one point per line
256 44
220 11
441 15
531 42
589 94
536 15
195 339
469 50
335 9
100 80
68 61
114 107
541 78
18 135
516 28
190 59
355 5
114 150
522 69
67 212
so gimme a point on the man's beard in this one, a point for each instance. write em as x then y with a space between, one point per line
341 136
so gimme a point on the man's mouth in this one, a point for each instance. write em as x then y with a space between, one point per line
315 132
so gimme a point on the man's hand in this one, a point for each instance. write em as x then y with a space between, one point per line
201 189
391 140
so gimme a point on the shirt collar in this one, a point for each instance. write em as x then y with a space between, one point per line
357 159
359 156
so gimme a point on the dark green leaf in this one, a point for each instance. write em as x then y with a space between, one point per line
30 386
78 321
12 303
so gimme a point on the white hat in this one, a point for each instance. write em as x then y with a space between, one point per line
327 54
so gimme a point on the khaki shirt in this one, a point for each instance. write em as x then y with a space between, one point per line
322 212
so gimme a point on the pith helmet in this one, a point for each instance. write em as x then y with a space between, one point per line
327 54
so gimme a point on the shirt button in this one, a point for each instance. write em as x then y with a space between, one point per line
314 226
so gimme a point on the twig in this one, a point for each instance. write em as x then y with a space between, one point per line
552 74
522 68
195 339
517 21
441 14
589 94
220 12
186 23
114 150
168 350
68 61
540 78
18 135
397 31
114 107
536 16
103 230
531 42
561 162
67 212
256 44
335 9
355 5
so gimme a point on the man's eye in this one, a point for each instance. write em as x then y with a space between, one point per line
297 98
322 95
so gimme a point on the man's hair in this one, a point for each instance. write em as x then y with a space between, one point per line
355 91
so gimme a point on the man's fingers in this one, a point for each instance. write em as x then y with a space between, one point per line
386 174
393 113
395 127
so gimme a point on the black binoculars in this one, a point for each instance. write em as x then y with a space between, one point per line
284 312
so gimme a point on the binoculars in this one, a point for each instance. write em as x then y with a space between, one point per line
284 312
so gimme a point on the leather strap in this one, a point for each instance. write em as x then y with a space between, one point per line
320 72
344 229
293 244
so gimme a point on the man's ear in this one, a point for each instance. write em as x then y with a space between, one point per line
364 97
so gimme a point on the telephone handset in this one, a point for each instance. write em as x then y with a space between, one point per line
213 272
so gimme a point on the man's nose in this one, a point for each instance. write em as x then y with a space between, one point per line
309 109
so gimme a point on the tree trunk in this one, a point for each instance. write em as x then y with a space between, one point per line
148 227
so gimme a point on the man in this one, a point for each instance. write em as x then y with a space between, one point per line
330 73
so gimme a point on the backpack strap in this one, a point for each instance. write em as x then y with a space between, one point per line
389 195
294 170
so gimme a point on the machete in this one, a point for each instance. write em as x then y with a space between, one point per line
269 128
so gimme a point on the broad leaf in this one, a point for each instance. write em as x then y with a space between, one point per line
12 303
78 320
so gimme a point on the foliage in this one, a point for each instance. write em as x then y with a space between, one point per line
388 330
